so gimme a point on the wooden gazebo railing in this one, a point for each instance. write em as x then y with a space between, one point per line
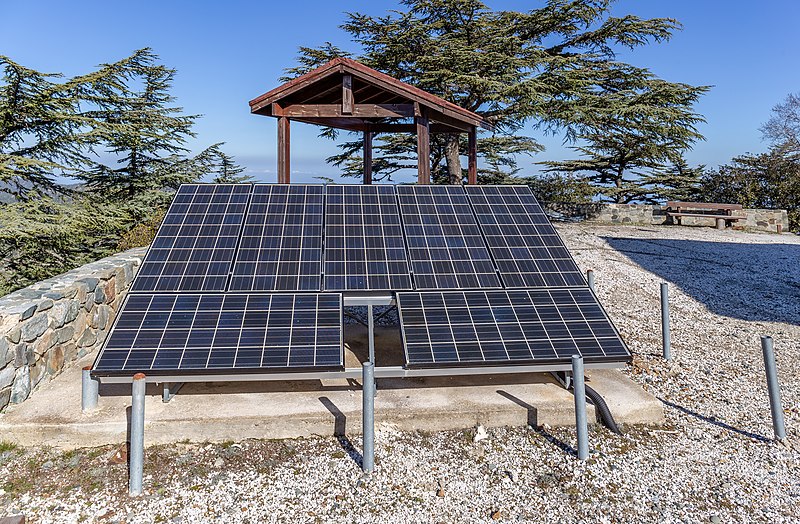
345 94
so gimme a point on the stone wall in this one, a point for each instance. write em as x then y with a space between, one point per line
46 326
651 215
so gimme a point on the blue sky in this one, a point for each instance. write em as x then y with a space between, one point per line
229 52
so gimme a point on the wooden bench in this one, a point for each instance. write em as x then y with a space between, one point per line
722 213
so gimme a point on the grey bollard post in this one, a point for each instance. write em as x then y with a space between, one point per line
665 339
368 416
590 279
371 328
136 465
90 390
579 390
778 424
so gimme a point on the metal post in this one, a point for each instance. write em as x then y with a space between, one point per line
368 416
579 390
774 389
90 390
590 279
137 435
665 321
371 326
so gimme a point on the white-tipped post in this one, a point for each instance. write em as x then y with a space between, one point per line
136 465
368 416
590 279
665 338
90 390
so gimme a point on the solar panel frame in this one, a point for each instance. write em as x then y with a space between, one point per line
281 240
196 241
525 246
365 247
506 327
445 245
198 333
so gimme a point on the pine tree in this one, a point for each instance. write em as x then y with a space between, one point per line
553 67
224 169
48 127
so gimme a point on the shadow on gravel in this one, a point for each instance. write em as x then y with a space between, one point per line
754 282
723 425
532 422
340 430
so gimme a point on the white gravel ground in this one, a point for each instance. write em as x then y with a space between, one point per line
713 462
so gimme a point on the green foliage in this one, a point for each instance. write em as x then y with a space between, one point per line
769 180
123 111
554 67
224 170
555 188
43 237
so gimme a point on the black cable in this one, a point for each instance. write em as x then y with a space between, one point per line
602 408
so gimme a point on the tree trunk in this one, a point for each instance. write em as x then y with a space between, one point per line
453 160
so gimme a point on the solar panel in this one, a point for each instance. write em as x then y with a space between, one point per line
445 245
281 244
224 332
196 243
506 327
524 244
364 246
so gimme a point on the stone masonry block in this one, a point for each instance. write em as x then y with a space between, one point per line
34 327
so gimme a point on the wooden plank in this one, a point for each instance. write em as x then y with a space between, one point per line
701 215
386 127
283 150
423 149
455 123
367 157
349 124
359 111
347 95
472 156
702 205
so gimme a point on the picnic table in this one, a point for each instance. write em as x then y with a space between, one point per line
722 213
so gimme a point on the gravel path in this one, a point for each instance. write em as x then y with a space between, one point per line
712 462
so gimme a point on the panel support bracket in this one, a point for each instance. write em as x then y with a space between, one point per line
170 390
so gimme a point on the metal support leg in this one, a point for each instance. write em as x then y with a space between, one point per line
590 279
90 390
720 223
778 424
371 328
665 338
137 435
579 390
170 390
368 416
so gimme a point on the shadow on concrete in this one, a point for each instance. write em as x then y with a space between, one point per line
714 421
753 282
532 418
532 422
340 430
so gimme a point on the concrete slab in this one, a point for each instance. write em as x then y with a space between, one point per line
237 411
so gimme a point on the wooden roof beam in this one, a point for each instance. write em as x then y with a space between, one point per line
338 111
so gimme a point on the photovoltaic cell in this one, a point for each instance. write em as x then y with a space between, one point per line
165 333
524 244
196 243
281 245
506 327
445 246
364 246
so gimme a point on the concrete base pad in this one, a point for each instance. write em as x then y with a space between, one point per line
237 411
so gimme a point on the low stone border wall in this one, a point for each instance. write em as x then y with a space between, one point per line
56 321
651 215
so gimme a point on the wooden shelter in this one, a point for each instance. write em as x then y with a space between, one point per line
345 94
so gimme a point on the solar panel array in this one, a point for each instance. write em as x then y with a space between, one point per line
249 277
364 246
196 243
445 245
225 332
281 246
509 327
524 244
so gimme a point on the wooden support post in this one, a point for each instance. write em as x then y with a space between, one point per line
423 149
472 155
347 95
367 157
283 150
